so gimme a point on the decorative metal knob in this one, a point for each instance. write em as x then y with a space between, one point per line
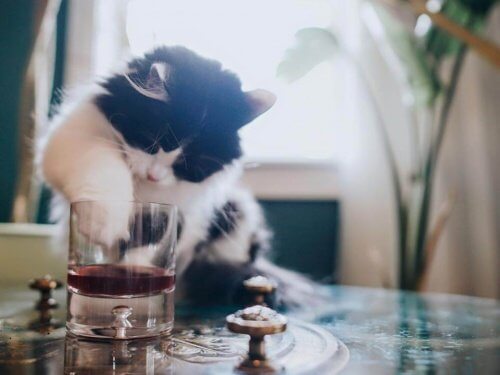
259 287
121 322
256 321
45 286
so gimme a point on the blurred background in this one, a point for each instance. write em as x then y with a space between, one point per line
379 164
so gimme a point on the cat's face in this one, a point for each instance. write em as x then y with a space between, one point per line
179 114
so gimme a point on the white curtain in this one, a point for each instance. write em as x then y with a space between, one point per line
368 240
468 258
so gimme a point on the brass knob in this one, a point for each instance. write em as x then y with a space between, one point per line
45 286
259 287
256 321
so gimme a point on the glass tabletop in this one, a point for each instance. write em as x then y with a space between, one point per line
385 331
389 331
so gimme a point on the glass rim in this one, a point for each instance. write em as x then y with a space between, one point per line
165 205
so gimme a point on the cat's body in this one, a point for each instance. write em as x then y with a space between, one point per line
166 131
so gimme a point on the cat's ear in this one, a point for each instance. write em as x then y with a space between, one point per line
260 101
157 79
154 86
158 74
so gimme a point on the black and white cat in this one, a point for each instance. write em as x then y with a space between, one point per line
166 131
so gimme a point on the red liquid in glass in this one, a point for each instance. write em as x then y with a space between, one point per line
119 280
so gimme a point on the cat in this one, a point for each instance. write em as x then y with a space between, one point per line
166 130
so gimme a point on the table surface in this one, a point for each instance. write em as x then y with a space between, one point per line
386 331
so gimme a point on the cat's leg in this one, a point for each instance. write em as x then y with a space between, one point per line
106 222
83 161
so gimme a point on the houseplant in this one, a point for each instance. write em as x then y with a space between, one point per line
423 36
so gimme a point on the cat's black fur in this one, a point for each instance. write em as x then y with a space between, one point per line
203 278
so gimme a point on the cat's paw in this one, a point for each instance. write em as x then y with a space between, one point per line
104 223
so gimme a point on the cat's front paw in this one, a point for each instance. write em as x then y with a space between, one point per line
104 223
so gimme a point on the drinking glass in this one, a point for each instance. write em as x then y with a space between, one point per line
121 269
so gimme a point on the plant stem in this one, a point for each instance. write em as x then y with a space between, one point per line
443 120
431 164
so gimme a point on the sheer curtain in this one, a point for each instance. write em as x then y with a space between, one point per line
368 255
468 258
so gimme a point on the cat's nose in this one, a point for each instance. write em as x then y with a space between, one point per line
152 177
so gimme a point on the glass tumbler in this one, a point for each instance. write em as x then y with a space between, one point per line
121 269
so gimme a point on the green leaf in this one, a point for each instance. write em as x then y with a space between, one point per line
480 7
313 46
421 77
469 13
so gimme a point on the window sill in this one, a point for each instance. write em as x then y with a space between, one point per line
292 180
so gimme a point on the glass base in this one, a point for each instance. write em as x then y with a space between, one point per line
122 318
107 333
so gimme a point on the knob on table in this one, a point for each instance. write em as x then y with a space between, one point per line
257 321
45 286
259 287
44 323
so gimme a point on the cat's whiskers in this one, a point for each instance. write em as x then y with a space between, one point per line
108 141
169 129
184 158
150 148
218 161
159 137
156 140
179 145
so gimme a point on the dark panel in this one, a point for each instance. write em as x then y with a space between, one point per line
61 33
16 38
306 235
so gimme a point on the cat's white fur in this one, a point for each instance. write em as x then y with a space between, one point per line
84 158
